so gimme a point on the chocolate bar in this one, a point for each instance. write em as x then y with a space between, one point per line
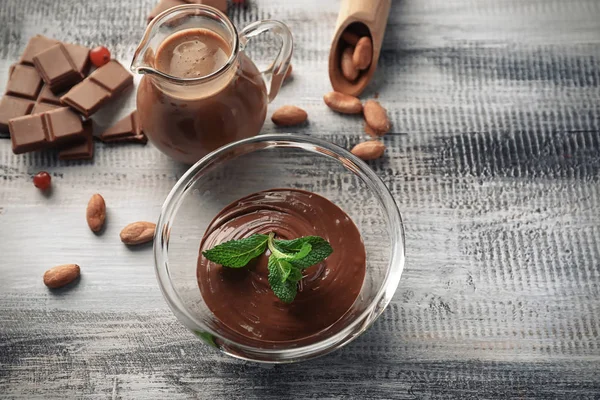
57 68
83 150
97 89
23 94
126 129
39 131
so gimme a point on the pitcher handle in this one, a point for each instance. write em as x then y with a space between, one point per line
275 73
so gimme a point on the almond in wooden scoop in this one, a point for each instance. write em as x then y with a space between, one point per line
138 232
343 103
61 275
363 53
96 213
349 70
288 116
376 117
370 150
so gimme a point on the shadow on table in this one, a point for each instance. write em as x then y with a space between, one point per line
343 370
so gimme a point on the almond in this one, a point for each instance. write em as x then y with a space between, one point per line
363 53
96 213
371 132
289 115
61 275
350 38
368 150
138 232
349 70
376 117
343 103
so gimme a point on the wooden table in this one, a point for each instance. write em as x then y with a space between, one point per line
494 161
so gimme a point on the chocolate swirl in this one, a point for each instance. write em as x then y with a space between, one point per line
242 300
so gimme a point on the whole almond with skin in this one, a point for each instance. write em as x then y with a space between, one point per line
61 275
371 132
288 116
349 70
96 213
138 232
343 103
368 150
376 117
350 38
363 53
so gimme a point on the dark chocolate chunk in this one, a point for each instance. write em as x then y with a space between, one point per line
102 85
83 150
56 68
39 131
24 82
13 107
36 45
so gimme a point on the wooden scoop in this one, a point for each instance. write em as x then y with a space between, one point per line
365 18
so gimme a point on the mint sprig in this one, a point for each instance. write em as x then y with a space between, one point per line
287 260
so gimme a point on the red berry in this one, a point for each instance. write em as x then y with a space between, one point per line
42 180
99 56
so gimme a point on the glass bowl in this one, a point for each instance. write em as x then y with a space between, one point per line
267 162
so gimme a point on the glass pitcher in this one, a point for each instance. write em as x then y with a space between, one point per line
186 118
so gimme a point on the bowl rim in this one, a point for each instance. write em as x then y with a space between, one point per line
316 146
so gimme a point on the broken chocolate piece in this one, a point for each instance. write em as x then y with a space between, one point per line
94 91
80 55
46 96
80 151
39 108
56 68
39 131
36 44
126 129
24 82
13 107
163 5
141 138
220 5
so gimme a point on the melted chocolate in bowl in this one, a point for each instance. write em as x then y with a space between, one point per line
242 300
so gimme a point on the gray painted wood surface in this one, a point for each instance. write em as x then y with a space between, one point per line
494 161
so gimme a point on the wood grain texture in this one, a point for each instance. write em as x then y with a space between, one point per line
494 160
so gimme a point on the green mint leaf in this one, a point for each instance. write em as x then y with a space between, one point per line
283 288
237 253
320 250
295 275
289 256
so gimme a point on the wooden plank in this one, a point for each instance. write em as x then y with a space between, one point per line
493 160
